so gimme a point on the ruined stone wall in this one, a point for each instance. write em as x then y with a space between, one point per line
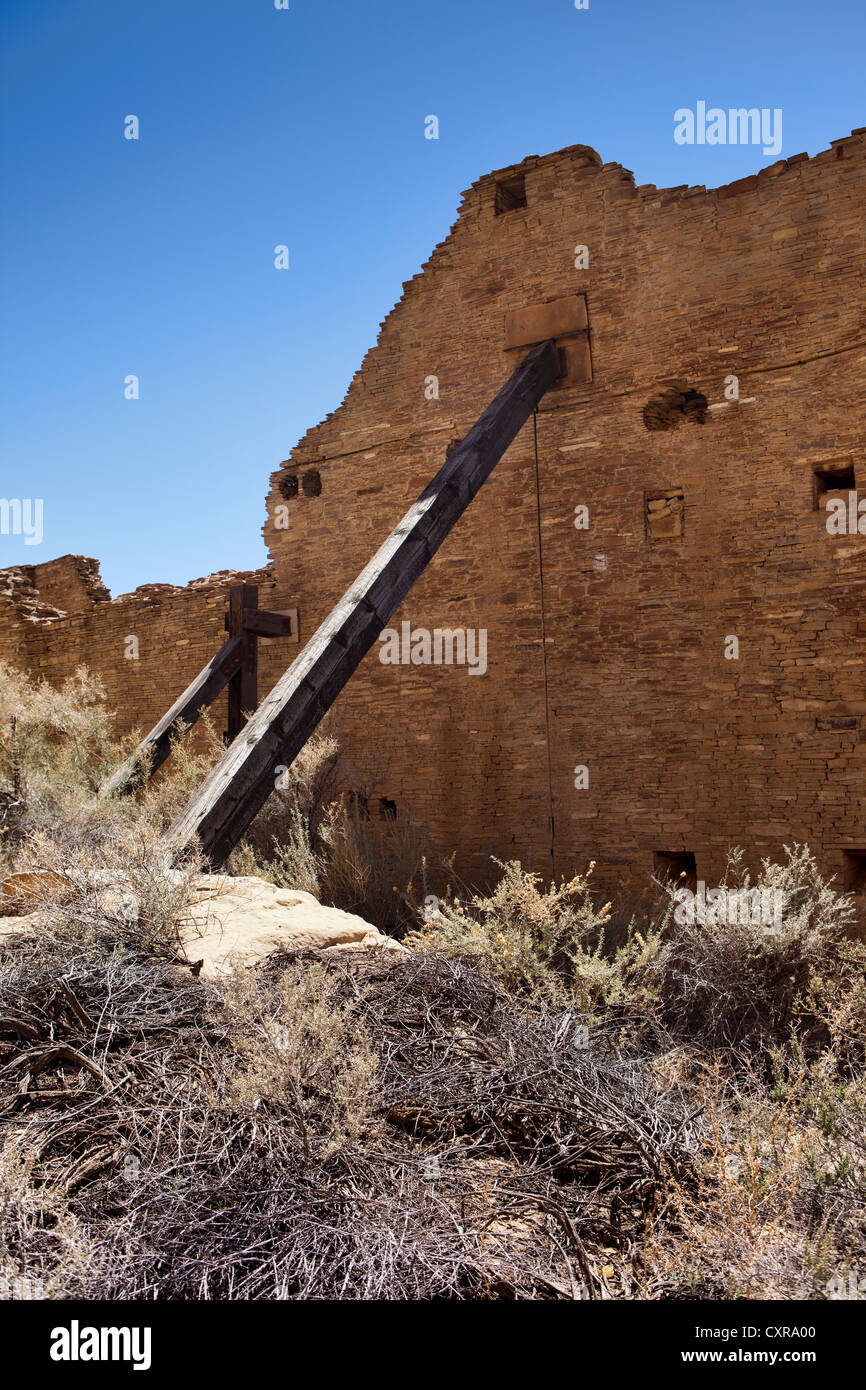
174 631
71 584
606 646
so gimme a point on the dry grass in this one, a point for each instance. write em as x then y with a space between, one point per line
516 1107
776 1205
317 833
368 1127
752 984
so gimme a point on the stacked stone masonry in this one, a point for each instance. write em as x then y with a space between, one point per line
606 642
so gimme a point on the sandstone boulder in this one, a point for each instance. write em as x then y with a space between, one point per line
23 893
242 920
231 922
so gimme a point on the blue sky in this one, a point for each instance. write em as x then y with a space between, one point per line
303 127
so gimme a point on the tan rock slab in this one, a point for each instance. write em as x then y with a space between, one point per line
240 921
237 922
20 893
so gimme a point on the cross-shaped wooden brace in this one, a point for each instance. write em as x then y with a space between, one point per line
249 622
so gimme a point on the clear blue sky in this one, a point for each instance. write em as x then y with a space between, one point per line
304 127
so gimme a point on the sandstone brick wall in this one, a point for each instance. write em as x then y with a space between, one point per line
178 630
71 584
606 645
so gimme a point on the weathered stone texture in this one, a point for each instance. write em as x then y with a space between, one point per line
177 630
606 645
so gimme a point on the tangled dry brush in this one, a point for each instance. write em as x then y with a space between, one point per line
535 1100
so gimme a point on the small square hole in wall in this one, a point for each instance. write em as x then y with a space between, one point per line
854 872
510 194
833 479
677 866
665 514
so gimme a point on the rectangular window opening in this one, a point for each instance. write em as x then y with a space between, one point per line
854 873
833 479
510 194
677 867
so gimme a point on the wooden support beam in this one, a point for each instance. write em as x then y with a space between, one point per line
266 624
244 684
153 750
236 789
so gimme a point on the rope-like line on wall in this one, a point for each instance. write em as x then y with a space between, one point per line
544 649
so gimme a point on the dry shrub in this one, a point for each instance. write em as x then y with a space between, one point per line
97 873
194 752
512 1109
45 1251
734 983
283 844
55 748
285 836
123 893
544 943
379 869
374 1127
299 1054
359 1126
775 1207
54 740
316 835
